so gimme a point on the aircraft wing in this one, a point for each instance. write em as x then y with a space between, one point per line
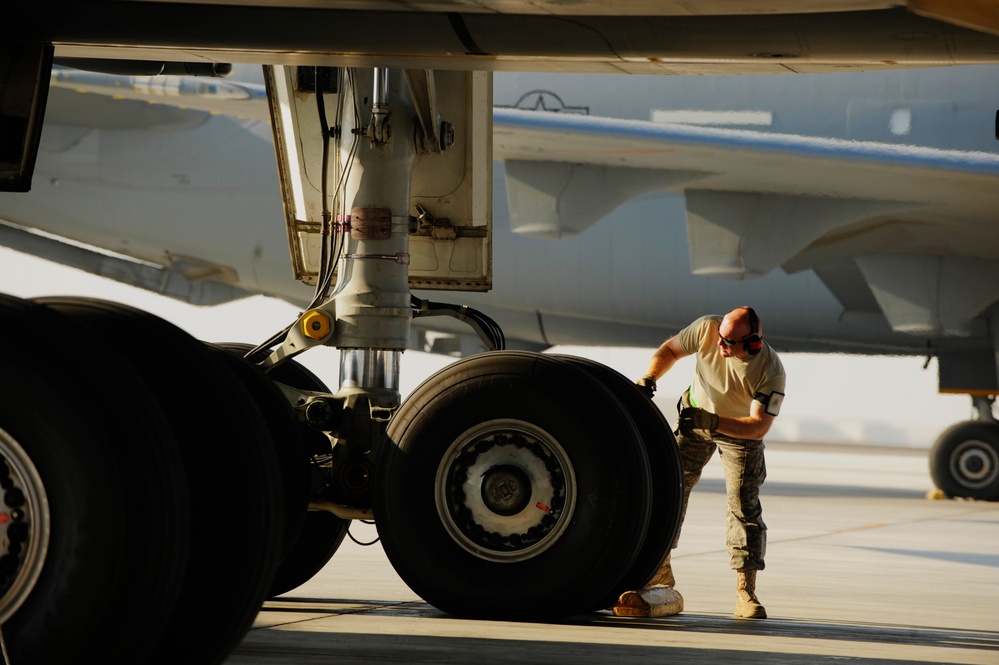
80 101
233 97
867 217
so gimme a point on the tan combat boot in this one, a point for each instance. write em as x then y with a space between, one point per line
747 605
657 599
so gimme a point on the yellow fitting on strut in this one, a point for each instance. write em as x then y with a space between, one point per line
315 325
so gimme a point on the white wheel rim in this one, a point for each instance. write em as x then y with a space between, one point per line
25 526
505 490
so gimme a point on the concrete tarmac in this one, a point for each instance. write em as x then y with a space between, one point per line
862 567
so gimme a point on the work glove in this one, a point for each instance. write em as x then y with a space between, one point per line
648 385
693 418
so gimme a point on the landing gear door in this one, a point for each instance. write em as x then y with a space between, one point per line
24 87
300 139
451 182
452 188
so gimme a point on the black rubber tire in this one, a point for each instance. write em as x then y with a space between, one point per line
582 420
235 486
322 533
964 460
115 487
667 474
319 534
285 432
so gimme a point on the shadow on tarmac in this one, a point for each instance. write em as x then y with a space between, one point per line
771 488
989 560
324 647
812 630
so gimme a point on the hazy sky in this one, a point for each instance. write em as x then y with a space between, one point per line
829 398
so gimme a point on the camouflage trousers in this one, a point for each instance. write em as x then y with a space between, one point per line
745 470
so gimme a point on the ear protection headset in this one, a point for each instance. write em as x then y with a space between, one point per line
753 342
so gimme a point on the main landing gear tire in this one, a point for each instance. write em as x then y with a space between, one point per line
322 533
285 432
319 534
95 509
318 540
667 474
513 485
235 489
964 460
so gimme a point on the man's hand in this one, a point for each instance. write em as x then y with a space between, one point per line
693 418
648 385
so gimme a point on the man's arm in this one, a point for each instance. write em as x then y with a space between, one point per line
665 357
754 426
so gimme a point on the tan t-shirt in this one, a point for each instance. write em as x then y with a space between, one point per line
728 386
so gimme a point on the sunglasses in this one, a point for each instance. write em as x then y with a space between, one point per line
729 342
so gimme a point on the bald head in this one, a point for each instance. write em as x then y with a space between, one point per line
742 319
737 325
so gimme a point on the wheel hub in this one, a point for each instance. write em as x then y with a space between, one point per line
505 490
975 464
24 526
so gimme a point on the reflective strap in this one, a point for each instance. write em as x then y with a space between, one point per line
690 397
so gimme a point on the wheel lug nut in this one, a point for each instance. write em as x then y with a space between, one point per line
14 497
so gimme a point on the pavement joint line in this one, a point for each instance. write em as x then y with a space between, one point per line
876 525
311 606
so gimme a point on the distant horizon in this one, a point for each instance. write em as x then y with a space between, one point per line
831 398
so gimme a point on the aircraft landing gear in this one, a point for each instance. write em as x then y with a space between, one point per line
964 460
509 485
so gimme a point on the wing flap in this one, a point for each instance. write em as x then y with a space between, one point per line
740 235
557 200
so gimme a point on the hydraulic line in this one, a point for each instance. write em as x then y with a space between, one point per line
486 328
